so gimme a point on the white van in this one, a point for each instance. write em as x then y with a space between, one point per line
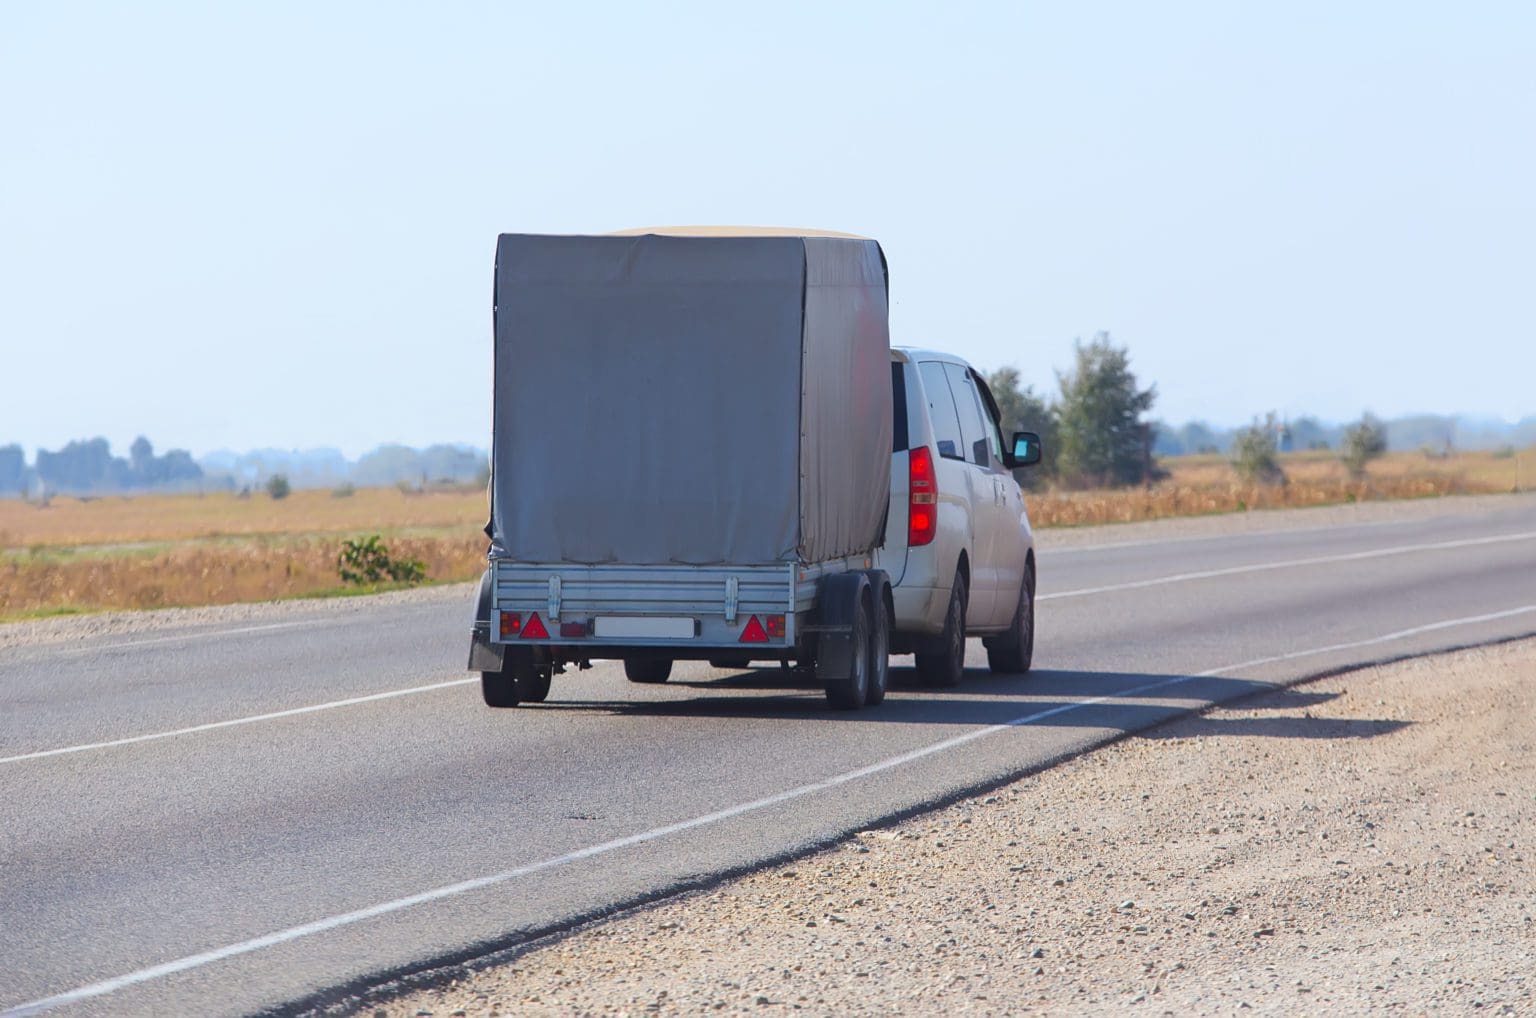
958 547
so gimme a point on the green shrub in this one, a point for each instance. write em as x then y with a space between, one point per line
277 486
1362 443
1255 452
366 560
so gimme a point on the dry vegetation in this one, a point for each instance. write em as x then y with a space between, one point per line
1199 485
72 522
164 551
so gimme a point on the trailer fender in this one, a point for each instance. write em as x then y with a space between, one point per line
837 599
484 656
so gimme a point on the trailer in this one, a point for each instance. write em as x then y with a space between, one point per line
690 458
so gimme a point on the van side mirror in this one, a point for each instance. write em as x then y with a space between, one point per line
1026 449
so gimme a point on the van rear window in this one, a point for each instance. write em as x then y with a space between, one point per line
898 408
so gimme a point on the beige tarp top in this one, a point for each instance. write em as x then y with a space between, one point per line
731 231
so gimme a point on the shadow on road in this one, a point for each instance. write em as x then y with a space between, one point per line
1045 697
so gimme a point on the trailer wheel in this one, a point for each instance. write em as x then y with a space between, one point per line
499 689
648 670
522 678
852 692
944 665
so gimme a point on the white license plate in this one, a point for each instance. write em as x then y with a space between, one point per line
647 627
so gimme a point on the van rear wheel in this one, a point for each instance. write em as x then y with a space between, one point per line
1014 651
647 670
944 664
879 651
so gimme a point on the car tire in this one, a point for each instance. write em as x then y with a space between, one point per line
850 693
651 671
945 665
1014 651
879 654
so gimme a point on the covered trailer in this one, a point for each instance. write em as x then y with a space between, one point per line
690 457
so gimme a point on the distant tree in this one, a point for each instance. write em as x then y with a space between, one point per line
1022 409
1310 433
277 486
83 467
387 465
1363 441
177 467
141 456
1103 439
13 470
1191 439
1254 452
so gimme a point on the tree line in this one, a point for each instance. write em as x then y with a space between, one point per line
1096 433
88 467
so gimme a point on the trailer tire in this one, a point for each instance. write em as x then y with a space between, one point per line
651 671
944 665
499 689
522 679
852 692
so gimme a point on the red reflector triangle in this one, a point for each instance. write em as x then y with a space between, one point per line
752 634
534 629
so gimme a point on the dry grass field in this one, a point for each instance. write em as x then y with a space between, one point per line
157 551
1199 485
119 519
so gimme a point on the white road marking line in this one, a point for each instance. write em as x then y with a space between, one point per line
465 886
201 634
1387 638
1354 556
1133 585
232 722
1257 531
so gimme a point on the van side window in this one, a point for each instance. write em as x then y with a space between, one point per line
898 407
941 411
968 403
988 417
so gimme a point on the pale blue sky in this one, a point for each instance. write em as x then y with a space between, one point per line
236 225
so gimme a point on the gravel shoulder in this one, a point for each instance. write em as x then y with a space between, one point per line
1359 843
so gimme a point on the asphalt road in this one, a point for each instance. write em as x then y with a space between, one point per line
245 866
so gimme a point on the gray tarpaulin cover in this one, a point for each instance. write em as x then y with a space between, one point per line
690 399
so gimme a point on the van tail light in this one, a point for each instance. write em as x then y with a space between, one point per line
922 498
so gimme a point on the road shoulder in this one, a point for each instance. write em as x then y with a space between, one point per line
1356 843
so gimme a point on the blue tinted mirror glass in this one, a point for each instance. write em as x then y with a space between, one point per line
1026 448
